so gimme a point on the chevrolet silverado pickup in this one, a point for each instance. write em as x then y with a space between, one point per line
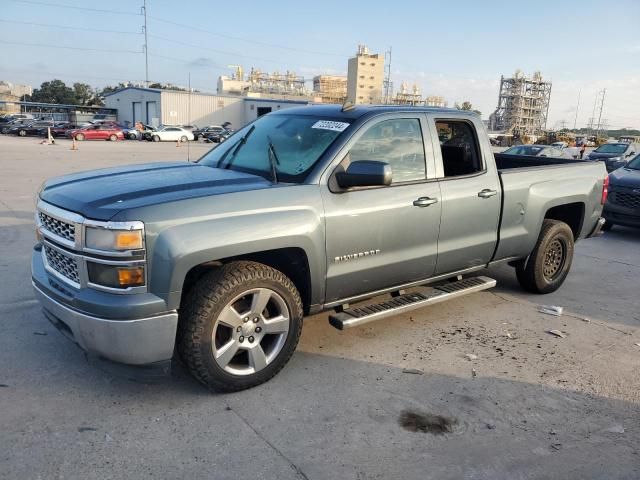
319 208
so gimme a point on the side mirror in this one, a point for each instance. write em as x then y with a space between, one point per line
365 173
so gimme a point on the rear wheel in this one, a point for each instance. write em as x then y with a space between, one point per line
183 138
113 137
550 261
156 138
22 133
239 326
79 137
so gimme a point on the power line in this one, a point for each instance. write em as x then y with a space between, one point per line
68 27
74 7
42 45
241 39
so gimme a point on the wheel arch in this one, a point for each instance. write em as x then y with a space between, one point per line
570 213
291 261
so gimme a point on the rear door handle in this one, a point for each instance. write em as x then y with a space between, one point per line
486 193
424 201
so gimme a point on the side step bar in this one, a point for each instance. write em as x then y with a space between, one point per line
356 316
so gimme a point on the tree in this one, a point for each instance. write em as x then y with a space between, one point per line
84 93
55 91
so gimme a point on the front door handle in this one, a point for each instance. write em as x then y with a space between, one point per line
486 193
424 201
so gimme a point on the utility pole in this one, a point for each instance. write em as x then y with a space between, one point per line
600 114
189 119
146 45
387 81
575 120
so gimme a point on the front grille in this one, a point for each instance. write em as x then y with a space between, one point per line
63 264
629 200
58 227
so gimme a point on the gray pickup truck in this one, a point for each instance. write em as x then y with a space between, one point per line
305 210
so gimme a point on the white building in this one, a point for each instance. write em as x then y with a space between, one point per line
170 107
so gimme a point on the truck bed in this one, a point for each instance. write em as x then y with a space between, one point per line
507 162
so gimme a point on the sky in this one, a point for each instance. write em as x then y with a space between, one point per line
457 49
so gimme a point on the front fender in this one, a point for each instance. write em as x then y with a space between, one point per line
286 223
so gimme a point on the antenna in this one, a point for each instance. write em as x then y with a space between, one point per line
387 81
146 45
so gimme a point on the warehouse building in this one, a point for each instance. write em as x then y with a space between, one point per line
171 107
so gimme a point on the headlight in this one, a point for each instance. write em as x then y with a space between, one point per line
115 276
111 239
616 159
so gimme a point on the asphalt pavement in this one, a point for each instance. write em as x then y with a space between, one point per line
474 388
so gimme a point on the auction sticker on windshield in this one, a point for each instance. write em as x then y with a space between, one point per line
328 125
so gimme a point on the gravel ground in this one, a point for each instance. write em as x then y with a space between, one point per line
474 388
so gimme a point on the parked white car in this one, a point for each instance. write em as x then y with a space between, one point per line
172 134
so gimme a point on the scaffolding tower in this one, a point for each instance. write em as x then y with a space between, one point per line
276 83
523 105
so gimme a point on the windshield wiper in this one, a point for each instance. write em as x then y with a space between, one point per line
235 149
273 160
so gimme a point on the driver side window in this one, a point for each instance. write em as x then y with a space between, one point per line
397 142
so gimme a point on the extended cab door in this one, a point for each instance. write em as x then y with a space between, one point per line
471 194
380 237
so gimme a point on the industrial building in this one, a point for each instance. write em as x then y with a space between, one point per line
10 94
408 96
169 107
523 105
330 88
259 84
365 76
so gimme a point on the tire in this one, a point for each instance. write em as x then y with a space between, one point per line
549 263
155 138
22 133
132 136
184 139
203 334
80 137
113 138
607 226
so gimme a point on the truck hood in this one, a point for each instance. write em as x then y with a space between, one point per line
101 194
603 156
625 177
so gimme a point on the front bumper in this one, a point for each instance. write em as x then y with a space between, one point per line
145 336
134 342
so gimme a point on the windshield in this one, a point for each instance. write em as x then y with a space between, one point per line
634 164
612 148
298 142
524 150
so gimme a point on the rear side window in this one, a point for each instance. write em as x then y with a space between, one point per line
459 147
397 142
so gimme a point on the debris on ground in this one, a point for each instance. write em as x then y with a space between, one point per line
557 333
615 429
471 356
3 385
40 333
556 446
414 371
551 310
87 429
637 344
474 373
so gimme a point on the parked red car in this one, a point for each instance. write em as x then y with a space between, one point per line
97 132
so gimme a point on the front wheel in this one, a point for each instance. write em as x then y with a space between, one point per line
156 138
80 137
22 133
113 137
550 261
183 138
239 326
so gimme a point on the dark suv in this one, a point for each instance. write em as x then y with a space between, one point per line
615 155
623 202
